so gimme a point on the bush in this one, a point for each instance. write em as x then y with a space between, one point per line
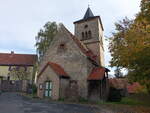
34 89
83 100
115 95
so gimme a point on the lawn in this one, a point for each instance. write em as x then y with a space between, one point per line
135 99
137 103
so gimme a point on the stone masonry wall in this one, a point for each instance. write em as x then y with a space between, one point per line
96 42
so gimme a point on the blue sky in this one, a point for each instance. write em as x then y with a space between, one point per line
20 20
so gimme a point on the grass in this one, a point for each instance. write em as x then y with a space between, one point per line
136 99
29 95
137 103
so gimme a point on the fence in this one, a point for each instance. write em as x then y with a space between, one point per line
13 86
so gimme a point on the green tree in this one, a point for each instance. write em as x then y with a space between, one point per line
130 46
45 37
20 73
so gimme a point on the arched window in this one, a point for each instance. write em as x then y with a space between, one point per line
89 34
86 35
83 36
86 26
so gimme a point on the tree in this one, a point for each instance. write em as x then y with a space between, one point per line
130 46
20 73
45 37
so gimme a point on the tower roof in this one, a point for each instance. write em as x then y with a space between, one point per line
88 14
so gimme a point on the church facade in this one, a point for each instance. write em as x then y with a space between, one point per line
73 66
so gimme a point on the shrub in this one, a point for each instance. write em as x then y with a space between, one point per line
34 89
115 95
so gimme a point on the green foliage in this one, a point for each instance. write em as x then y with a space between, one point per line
34 89
115 95
83 100
136 99
61 99
45 37
130 46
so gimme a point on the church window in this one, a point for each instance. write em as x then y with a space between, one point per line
61 48
89 34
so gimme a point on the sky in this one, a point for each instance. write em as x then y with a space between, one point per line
20 20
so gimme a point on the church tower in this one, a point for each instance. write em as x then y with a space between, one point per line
89 30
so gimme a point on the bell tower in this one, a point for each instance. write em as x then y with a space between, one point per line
89 30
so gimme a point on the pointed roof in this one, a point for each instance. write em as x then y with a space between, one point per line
56 68
81 46
88 14
97 73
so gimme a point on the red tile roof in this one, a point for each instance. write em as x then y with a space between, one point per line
97 74
82 47
118 83
57 69
7 59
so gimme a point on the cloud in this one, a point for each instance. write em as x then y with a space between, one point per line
22 19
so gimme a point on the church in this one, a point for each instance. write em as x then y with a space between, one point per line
73 66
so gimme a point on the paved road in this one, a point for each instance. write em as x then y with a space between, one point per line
14 103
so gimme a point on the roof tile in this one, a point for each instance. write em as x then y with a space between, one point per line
97 74
57 69
17 59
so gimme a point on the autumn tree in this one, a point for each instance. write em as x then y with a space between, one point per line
45 36
130 46
20 73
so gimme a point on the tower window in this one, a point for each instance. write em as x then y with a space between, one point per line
82 35
89 34
86 35
86 26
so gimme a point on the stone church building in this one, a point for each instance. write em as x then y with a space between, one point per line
73 66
